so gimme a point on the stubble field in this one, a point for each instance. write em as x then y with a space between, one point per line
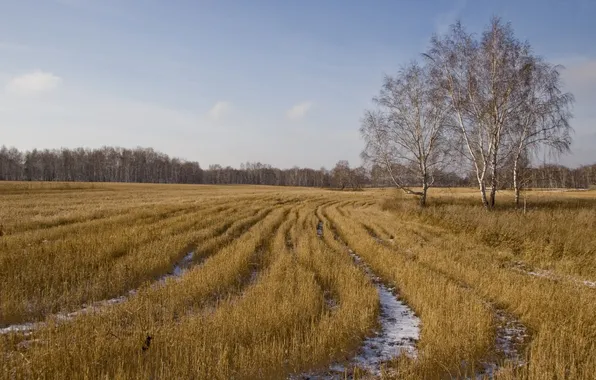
217 282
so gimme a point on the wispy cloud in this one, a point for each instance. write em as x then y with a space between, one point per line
298 111
33 83
445 19
219 110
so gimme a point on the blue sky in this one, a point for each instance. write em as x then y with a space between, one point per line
281 82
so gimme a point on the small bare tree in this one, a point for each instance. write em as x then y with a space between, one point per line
405 134
342 174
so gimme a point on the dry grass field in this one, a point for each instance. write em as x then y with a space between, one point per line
115 281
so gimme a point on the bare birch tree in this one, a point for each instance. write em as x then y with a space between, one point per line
508 103
542 122
483 79
406 131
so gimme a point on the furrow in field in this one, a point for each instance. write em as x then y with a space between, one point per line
177 270
522 267
293 324
446 342
512 337
536 300
135 217
54 229
161 307
266 317
399 326
328 287
215 230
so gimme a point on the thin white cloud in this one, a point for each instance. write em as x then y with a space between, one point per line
219 110
298 111
444 20
33 83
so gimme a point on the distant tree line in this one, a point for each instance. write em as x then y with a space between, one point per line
145 165
97 165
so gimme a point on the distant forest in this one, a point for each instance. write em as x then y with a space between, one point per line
145 165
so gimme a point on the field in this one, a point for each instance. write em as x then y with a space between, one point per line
218 282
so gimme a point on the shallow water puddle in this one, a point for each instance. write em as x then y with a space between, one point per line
320 229
26 328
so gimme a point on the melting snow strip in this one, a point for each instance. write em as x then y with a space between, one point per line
511 334
399 332
26 328
400 327
523 268
512 337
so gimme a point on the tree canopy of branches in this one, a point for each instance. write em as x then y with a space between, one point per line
406 133
343 176
505 101
487 100
542 122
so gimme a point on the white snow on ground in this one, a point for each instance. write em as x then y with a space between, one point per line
511 334
183 265
511 338
522 267
177 271
400 328
25 327
399 331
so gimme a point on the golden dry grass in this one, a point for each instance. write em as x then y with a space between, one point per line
267 298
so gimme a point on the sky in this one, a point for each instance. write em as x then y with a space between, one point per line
280 82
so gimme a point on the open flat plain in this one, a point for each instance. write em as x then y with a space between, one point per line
126 281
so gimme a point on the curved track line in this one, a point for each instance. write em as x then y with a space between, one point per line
399 326
26 328
512 336
191 258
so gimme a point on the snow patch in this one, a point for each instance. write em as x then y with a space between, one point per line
512 337
398 333
523 268
400 328
26 328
